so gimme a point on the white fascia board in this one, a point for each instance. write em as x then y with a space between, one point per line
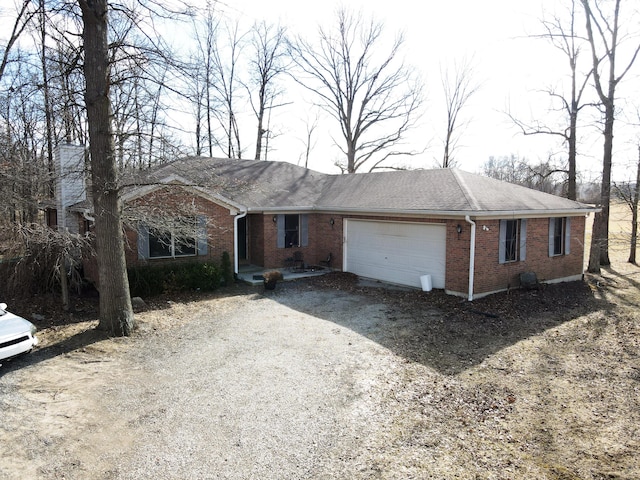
500 215
272 210
457 214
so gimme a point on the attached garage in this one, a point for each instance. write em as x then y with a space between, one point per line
396 252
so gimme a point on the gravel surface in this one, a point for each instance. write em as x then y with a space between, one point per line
251 389
334 378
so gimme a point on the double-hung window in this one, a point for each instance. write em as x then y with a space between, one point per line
559 236
513 240
293 230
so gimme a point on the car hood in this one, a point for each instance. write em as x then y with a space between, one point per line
12 325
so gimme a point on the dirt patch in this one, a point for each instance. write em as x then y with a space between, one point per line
330 378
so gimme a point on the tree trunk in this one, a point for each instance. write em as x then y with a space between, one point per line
599 253
634 231
64 284
634 215
351 156
261 131
116 314
605 196
47 96
594 252
573 128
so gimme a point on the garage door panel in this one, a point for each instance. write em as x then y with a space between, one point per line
396 252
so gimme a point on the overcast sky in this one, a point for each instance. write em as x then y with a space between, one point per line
510 66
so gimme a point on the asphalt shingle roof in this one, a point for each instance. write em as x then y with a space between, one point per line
267 185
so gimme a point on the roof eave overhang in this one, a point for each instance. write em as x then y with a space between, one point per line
289 209
561 212
487 215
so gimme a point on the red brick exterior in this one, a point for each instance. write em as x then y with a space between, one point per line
491 275
326 236
173 199
457 264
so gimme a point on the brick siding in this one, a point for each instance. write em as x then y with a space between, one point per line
326 236
173 199
491 275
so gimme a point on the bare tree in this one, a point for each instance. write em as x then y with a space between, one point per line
225 64
513 169
564 37
458 87
22 20
67 85
45 260
308 141
267 61
200 78
605 37
116 313
46 87
363 85
629 193
25 175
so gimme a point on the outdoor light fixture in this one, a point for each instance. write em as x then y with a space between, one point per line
332 221
275 218
459 229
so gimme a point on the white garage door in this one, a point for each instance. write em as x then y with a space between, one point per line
396 252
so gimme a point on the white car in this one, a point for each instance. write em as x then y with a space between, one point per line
17 335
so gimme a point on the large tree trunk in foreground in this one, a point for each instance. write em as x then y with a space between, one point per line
116 314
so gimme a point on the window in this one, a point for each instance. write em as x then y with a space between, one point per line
187 239
293 230
513 240
168 244
559 236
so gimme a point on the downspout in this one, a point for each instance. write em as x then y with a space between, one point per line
472 255
235 240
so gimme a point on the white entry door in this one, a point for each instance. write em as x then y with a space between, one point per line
396 252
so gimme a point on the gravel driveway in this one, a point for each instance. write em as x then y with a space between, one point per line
251 386
332 379
253 389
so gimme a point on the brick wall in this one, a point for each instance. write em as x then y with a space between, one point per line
491 275
175 199
457 264
324 237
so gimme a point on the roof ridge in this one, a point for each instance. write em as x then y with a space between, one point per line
466 191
